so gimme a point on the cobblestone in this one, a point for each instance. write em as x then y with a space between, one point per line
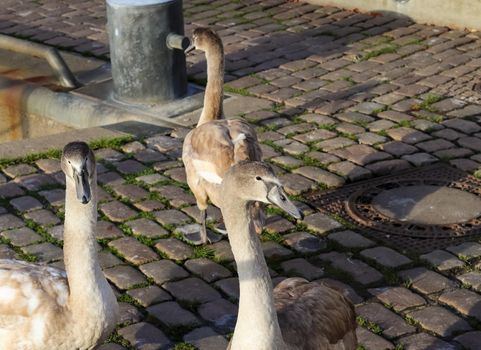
391 324
338 118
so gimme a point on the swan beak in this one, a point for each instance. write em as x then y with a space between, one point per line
82 186
278 197
190 48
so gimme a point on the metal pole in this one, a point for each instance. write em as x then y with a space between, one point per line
146 39
56 62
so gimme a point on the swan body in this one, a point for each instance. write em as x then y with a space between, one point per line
296 315
216 144
45 308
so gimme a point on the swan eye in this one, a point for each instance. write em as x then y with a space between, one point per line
258 178
283 198
69 161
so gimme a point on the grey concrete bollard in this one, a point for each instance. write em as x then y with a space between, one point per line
146 42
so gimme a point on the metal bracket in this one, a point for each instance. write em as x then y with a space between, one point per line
50 54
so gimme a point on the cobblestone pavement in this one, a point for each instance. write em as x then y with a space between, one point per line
354 96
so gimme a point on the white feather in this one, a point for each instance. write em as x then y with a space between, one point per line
239 137
206 170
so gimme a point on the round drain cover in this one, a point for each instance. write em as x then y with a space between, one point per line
428 205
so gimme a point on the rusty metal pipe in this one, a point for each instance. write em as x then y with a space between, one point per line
50 54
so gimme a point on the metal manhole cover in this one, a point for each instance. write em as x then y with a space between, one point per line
418 210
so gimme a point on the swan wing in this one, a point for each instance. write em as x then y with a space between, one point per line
313 316
25 288
212 148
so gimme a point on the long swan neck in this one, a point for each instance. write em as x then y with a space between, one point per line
81 263
214 91
257 326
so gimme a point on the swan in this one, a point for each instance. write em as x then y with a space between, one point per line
44 308
216 144
296 315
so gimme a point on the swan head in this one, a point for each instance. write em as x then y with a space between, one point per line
256 181
78 164
204 39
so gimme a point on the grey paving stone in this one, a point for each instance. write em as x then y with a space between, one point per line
133 251
149 205
206 269
360 271
398 148
222 251
395 116
423 341
392 325
42 217
466 250
204 338
372 341
176 196
129 167
442 260
21 237
117 212
133 193
472 279
19 170
302 268
464 301
369 138
110 178
351 171
35 182
107 230
149 295
388 166
399 298
129 314
386 257
171 217
473 143
221 313
361 154
9 221
229 286
151 179
292 147
6 252
45 252
163 271
440 321
321 223
107 260
55 197
108 154
303 242
147 228
465 164
144 336
426 281
132 147
174 249
380 125
192 290
332 144
420 159
408 135
465 126
315 136
287 161
149 156
367 107
10 190
320 176
470 340
350 239
296 184
274 251
49 166
124 277
111 346
25 203
435 145
277 224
